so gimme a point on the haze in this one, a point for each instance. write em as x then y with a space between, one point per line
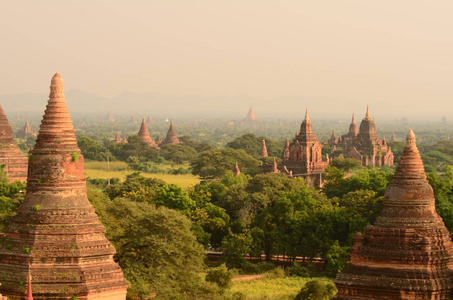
216 58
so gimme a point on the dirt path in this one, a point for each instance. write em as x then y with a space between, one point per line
246 277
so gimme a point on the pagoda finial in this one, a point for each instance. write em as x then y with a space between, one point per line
411 165
56 130
29 290
274 166
307 118
236 171
353 119
368 112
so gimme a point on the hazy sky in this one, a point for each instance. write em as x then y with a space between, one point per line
390 54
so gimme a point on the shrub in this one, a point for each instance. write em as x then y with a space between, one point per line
75 156
278 272
317 290
221 276
298 270
36 208
258 268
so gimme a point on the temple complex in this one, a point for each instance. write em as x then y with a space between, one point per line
133 121
363 144
171 137
150 120
263 151
407 253
302 157
15 162
251 115
27 129
56 234
143 133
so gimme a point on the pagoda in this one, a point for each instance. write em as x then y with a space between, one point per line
171 137
27 129
251 115
56 234
143 133
407 253
110 118
263 151
10 155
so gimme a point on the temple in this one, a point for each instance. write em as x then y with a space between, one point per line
407 253
14 161
143 133
118 138
56 234
302 157
27 129
251 115
363 144
171 137
110 118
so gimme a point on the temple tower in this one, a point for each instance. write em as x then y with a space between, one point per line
236 170
143 133
171 137
303 156
251 115
14 160
25 130
56 233
407 253
263 151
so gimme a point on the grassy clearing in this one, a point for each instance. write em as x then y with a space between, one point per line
98 169
269 287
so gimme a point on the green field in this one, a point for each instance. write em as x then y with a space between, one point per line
99 169
269 288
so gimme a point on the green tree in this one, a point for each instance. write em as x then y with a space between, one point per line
317 290
135 146
156 250
178 153
137 188
92 149
215 163
173 196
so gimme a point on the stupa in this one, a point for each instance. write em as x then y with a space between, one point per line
407 253
56 233
171 137
143 133
251 115
263 151
14 160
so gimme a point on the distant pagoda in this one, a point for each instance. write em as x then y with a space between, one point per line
110 117
171 137
56 233
27 129
251 115
263 151
407 253
15 162
144 135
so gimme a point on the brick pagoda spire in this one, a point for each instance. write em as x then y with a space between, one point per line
236 170
14 160
143 133
25 130
171 137
407 253
263 151
56 231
